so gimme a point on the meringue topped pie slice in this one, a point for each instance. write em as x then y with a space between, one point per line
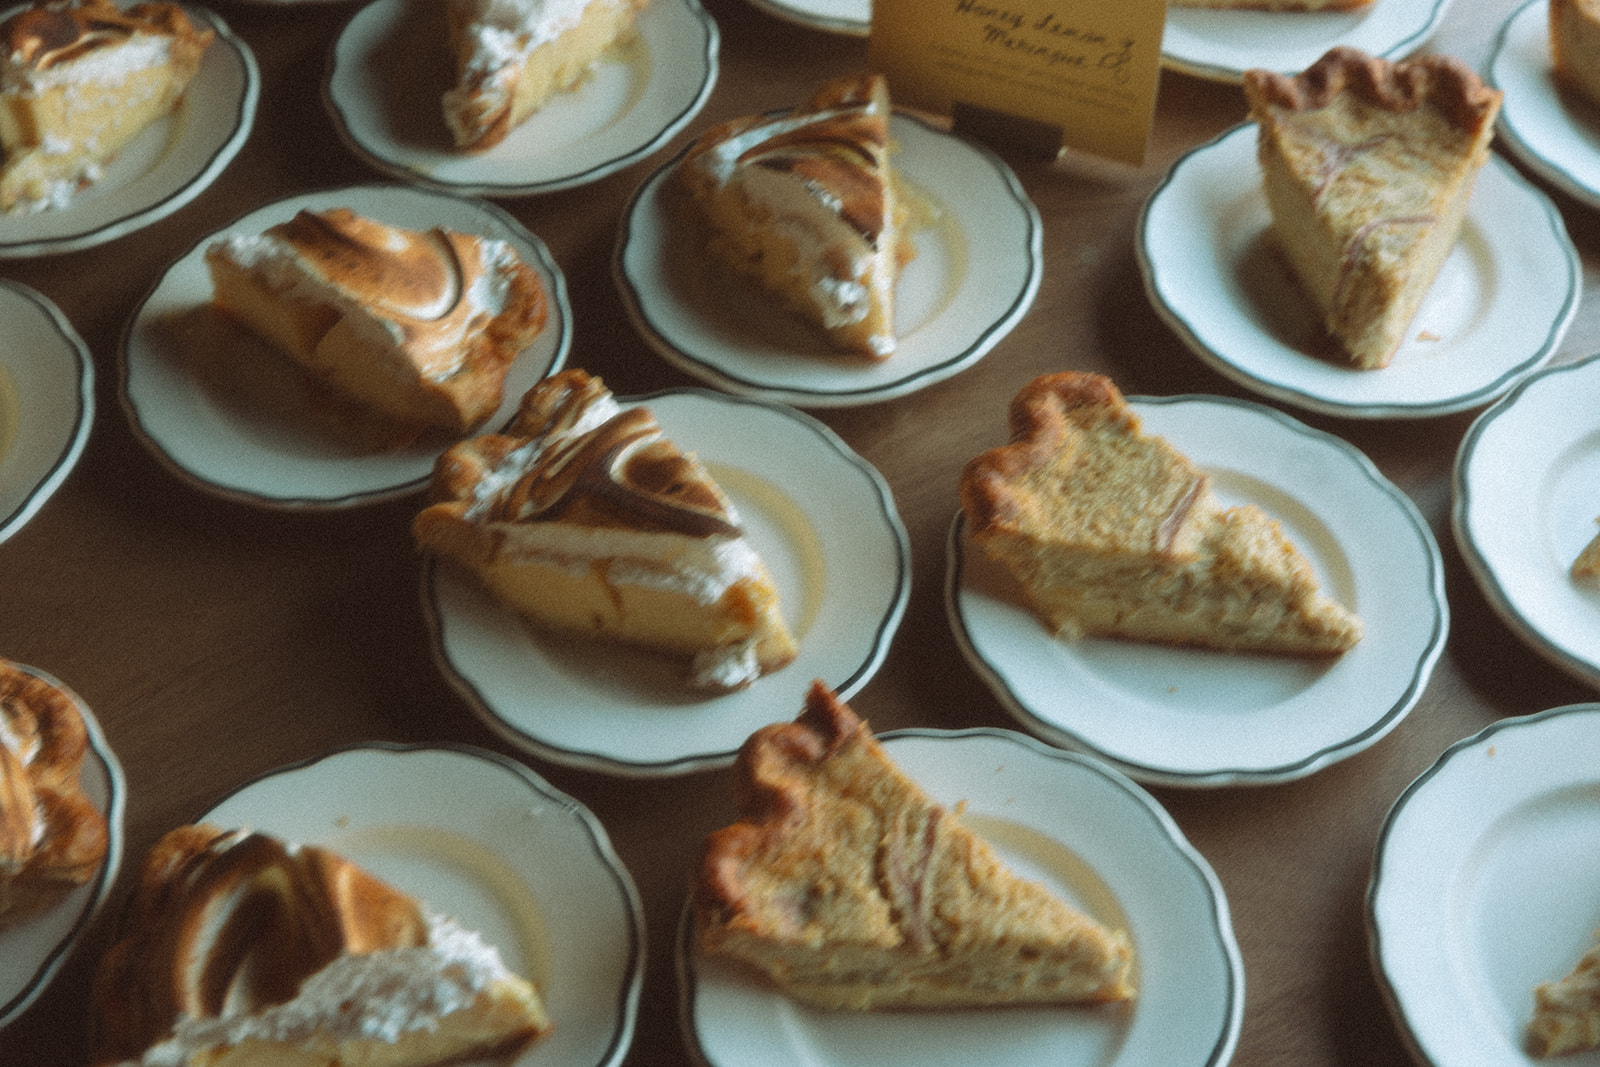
417 327
52 837
1368 166
242 950
79 80
808 205
512 56
851 888
1112 532
584 518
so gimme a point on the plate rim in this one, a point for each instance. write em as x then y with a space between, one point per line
1229 777
1151 272
1483 573
1171 834
708 372
78 439
1372 902
138 218
799 16
1233 74
549 270
884 629
115 813
599 839
710 53
1513 133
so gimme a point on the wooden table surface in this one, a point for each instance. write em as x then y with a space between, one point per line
216 641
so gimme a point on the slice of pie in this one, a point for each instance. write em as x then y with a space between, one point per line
1112 532
418 327
241 950
1586 567
807 204
1575 46
79 80
852 889
587 520
512 56
1566 1013
1368 166
52 837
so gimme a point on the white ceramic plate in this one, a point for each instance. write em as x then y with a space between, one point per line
1189 717
975 275
247 431
1487 882
385 79
483 839
1083 830
32 952
164 168
821 518
850 17
46 402
1525 505
1498 310
1556 135
1222 45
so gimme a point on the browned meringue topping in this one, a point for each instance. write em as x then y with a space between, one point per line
622 471
48 36
51 836
225 923
406 273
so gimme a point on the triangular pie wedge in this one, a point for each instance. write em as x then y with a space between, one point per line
848 886
1112 532
807 203
242 950
585 518
79 80
510 57
1575 46
1368 166
1566 1013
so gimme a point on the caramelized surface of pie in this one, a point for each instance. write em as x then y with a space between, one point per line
1575 46
808 205
1112 532
52 837
512 56
241 950
1368 167
418 327
79 80
587 520
852 889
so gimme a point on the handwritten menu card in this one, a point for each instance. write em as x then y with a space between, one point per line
1045 75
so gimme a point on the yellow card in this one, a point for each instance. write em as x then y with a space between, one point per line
1042 74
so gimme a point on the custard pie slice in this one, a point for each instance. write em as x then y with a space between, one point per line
239 949
79 80
586 519
512 56
1112 532
1575 46
807 204
850 888
52 837
1368 166
1566 1013
417 327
